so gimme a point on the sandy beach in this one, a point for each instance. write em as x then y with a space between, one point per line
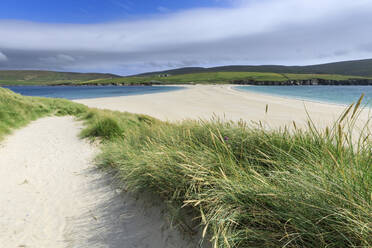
206 101
52 195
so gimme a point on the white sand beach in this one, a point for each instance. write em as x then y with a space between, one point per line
205 101
52 195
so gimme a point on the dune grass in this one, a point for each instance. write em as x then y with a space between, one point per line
247 186
17 111
244 186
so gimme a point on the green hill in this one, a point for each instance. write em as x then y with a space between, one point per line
355 68
48 77
351 71
227 77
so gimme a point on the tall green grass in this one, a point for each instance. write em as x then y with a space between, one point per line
245 186
109 125
17 111
255 188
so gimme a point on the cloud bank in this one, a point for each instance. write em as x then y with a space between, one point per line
251 32
3 57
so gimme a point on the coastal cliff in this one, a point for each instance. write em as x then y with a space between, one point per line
315 81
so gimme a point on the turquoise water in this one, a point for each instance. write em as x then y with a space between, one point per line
84 92
330 94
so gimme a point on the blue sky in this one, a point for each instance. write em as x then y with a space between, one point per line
96 11
133 36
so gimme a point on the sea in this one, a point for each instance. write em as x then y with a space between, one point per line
86 92
343 95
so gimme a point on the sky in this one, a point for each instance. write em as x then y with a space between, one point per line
133 36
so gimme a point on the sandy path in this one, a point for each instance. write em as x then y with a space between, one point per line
52 196
204 101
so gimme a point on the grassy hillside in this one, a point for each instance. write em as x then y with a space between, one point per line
47 77
218 77
243 186
356 68
225 74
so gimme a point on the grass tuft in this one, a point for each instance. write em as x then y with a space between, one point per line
105 128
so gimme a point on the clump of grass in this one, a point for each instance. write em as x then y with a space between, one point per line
109 125
105 128
252 187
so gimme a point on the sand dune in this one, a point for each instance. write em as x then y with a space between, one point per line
51 195
204 101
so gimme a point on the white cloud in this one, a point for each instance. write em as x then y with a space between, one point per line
3 57
203 25
58 59
258 32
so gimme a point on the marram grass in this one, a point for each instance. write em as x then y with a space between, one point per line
247 187
255 188
17 111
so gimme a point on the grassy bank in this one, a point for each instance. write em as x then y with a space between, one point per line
246 187
17 111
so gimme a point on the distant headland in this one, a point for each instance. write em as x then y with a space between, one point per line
357 72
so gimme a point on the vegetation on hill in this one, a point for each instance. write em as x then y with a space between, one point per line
354 67
340 71
216 77
15 77
245 186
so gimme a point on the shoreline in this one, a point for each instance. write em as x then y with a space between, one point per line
204 102
66 91
344 105
232 87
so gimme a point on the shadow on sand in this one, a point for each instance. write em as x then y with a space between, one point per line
117 219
